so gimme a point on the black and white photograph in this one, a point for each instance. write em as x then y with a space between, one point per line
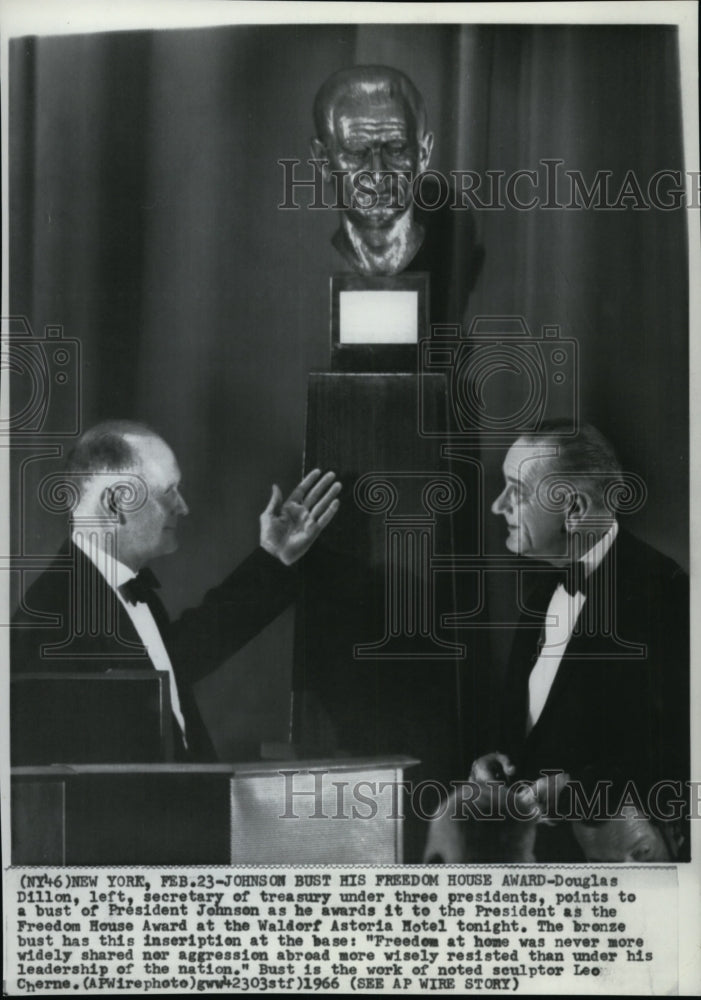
348 459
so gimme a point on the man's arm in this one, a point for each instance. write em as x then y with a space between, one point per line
261 587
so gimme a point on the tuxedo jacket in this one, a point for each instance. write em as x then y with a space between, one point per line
618 709
71 620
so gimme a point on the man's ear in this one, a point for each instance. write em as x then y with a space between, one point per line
425 150
110 506
580 506
320 152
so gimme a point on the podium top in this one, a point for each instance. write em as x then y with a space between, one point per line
244 769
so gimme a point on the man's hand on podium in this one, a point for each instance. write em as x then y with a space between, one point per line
287 530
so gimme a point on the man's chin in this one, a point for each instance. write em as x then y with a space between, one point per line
513 544
170 543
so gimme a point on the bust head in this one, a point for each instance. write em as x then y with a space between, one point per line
371 128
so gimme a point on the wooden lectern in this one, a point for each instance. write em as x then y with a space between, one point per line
119 716
287 812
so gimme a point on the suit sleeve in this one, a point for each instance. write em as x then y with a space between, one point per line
648 732
230 615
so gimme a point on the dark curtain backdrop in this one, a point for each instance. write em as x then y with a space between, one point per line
144 218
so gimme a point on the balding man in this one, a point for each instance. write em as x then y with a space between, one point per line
128 505
371 126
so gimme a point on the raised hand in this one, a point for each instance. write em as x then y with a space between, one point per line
288 529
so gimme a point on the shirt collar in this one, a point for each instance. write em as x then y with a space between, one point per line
114 571
592 559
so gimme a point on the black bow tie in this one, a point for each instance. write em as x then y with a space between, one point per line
140 588
573 578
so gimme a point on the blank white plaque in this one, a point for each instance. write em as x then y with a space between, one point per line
379 317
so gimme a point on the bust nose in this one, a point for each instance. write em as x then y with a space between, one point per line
376 164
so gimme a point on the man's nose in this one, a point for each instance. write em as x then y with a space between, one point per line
500 504
181 507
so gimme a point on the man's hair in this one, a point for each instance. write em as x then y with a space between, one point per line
360 81
588 457
105 448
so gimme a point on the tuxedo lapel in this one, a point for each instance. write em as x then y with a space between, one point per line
524 653
587 645
121 638
550 712
156 607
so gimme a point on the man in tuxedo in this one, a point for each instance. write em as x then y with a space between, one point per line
597 680
96 608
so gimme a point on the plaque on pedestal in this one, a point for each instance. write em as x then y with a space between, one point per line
377 322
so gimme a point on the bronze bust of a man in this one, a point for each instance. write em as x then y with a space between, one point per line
371 128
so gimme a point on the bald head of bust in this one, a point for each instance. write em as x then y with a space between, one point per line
372 83
371 132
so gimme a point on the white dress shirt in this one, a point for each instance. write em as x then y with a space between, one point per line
562 614
116 573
